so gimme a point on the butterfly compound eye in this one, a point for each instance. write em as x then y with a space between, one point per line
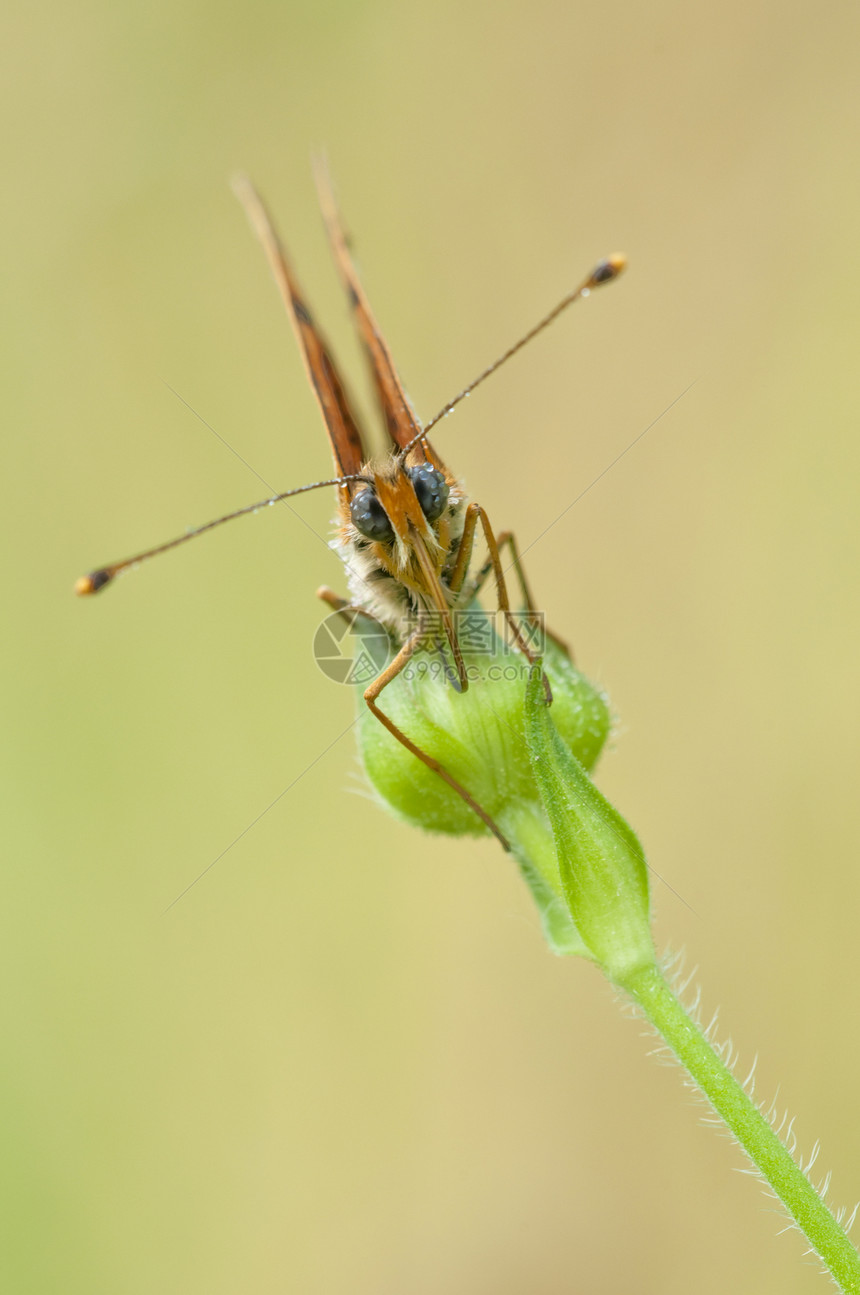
431 490
369 517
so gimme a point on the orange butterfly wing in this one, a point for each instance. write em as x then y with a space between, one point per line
401 420
343 430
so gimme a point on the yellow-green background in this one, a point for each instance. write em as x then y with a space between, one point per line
345 1062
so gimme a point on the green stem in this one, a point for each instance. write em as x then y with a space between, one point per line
771 1158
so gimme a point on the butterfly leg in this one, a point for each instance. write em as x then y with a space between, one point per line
507 539
391 671
474 514
407 651
347 610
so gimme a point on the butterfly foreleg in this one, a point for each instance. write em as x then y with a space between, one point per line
347 610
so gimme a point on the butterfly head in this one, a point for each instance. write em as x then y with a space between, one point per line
403 521
394 501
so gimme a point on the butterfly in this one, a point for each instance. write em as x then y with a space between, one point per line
406 526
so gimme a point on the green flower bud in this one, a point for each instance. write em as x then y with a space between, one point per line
479 736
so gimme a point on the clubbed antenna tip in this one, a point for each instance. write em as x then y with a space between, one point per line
92 583
607 270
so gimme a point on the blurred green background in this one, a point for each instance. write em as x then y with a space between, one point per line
345 1062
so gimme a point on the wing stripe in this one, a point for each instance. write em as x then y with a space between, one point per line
343 430
400 418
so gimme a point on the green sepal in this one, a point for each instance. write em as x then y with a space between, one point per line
527 828
602 869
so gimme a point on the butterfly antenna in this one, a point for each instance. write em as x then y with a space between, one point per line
97 579
603 272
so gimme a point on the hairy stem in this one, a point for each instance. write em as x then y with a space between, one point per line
651 993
